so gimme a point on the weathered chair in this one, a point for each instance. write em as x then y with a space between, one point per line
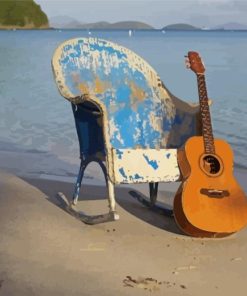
126 119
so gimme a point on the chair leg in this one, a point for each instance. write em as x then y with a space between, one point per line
153 191
78 182
111 192
152 203
70 206
111 199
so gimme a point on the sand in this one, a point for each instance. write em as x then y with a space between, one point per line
45 251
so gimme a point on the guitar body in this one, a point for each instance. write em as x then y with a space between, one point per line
210 202
185 225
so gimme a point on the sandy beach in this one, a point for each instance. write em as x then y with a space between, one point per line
45 251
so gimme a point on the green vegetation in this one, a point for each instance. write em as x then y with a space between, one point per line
22 14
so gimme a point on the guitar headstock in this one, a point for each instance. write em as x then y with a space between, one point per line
194 62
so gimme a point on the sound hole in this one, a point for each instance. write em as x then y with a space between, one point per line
211 164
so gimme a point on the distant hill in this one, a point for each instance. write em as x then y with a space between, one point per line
131 25
67 22
231 26
25 14
98 25
63 21
181 27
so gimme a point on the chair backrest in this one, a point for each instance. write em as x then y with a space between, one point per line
138 111
89 131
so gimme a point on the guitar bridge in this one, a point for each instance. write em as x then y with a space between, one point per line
214 193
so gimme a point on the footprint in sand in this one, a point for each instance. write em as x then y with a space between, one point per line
149 284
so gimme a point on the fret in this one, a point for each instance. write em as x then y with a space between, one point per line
194 62
207 130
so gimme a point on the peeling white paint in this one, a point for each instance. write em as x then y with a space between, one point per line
114 131
145 165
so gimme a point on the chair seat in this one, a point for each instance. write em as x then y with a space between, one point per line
145 165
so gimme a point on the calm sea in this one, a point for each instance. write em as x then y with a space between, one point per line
37 133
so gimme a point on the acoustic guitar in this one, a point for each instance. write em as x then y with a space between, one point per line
209 202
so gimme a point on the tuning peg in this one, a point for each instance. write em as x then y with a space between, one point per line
187 64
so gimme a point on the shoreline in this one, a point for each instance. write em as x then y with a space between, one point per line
39 167
10 28
47 166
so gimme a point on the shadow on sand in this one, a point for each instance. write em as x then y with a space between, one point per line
127 198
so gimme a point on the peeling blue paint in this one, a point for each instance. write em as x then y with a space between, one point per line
67 47
109 49
119 153
123 93
136 177
121 171
128 121
152 163
130 115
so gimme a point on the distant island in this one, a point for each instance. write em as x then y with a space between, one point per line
69 23
26 14
66 22
230 26
181 27
127 25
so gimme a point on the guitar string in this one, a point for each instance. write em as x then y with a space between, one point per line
207 130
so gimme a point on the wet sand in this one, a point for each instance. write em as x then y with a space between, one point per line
45 251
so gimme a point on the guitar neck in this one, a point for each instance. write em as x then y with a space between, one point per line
207 130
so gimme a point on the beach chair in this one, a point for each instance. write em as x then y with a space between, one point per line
126 119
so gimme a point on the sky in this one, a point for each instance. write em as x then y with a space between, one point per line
158 13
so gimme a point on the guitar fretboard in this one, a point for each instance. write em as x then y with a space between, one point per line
207 130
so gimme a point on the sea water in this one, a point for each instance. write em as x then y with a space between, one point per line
37 132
